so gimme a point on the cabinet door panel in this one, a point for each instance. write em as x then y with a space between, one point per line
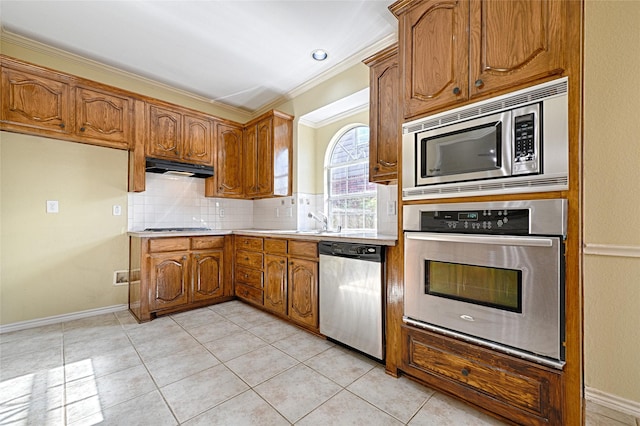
303 292
434 48
169 277
165 133
229 161
103 116
275 283
35 101
264 158
514 42
198 140
208 276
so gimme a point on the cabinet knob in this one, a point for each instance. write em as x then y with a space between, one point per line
376 168
61 125
246 258
82 129
197 256
465 372
184 257
176 152
246 276
188 154
456 90
479 83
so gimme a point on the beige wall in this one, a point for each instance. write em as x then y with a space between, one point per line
612 197
55 264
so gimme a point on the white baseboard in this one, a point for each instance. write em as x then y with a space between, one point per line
612 401
23 325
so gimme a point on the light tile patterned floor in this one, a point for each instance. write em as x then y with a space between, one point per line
227 364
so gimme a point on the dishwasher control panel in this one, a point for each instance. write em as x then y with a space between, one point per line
369 252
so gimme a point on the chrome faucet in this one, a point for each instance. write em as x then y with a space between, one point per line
324 221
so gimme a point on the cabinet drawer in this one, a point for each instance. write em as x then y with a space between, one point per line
516 383
203 243
248 276
249 243
168 244
251 294
275 246
249 258
303 248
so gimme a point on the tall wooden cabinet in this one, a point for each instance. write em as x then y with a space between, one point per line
456 50
384 118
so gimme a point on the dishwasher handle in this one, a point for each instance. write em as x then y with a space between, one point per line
355 251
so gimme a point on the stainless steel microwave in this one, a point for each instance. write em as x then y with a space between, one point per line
509 144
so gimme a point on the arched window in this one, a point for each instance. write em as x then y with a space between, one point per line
350 197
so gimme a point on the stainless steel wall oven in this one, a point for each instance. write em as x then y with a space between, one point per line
491 273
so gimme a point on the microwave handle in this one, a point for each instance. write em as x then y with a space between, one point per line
482 239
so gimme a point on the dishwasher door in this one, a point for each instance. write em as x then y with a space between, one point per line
351 303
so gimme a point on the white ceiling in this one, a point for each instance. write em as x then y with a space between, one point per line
247 54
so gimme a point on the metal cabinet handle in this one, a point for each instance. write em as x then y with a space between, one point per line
184 257
456 90
61 125
82 129
465 372
479 83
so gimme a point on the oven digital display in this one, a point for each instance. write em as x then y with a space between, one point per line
480 285
468 216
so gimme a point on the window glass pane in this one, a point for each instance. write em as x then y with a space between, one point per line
351 198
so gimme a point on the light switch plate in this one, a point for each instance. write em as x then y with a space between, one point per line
52 206
117 210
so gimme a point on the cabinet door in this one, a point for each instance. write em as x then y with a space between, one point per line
208 275
37 101
275 283
228 168
303 292
250 151
165 133
434 50
198 140
103 116
384 120
514 42
169 278
264 158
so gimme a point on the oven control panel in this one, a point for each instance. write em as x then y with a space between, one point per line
503 221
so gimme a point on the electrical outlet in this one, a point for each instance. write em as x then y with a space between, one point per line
52 206
117 210
221 212
391 208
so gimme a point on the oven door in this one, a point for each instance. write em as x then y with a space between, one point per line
505 291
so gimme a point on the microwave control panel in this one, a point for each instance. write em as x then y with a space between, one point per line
499 222
525 150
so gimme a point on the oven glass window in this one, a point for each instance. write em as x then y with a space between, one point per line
481 285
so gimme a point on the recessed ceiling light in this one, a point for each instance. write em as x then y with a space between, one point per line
319 55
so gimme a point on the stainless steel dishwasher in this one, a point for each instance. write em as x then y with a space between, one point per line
351 302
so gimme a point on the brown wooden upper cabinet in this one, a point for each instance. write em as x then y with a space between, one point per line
452 51
268 150
227 180
384 117
40 101
178 134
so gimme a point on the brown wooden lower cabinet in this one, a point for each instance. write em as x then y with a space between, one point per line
280 276
520 391
178 273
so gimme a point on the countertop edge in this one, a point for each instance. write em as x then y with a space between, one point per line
352 237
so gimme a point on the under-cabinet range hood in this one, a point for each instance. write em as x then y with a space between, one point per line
167 167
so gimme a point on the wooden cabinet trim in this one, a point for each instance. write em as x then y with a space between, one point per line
169 244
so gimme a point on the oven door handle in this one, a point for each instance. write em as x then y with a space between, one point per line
483 239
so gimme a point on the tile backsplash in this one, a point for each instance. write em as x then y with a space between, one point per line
177 201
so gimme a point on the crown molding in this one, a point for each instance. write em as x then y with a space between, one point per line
54 52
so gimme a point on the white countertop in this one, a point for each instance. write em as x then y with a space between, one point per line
346 236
